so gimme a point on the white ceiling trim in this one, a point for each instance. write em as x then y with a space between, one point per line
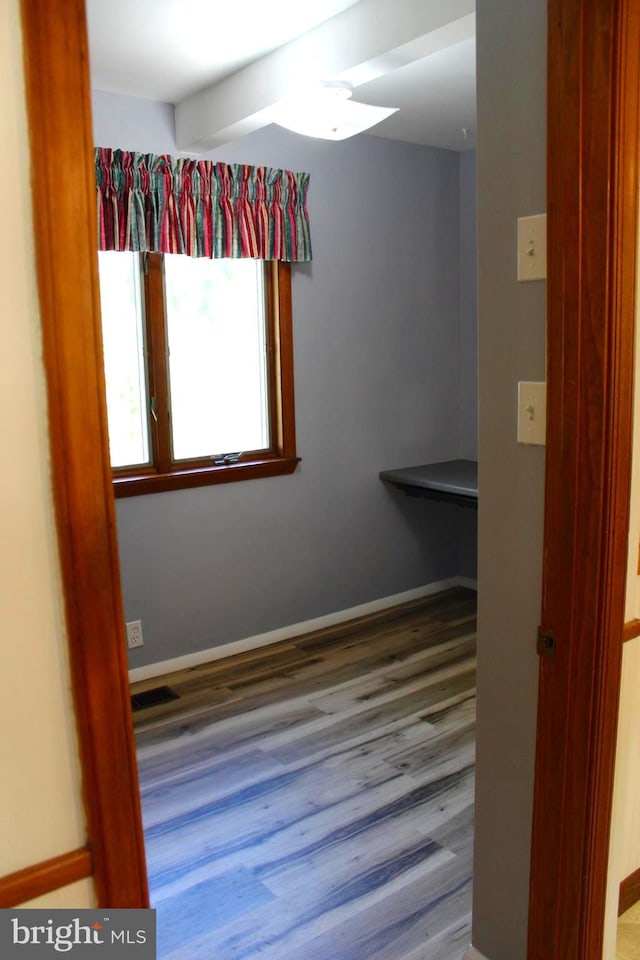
364 42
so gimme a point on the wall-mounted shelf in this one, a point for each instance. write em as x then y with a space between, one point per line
455 481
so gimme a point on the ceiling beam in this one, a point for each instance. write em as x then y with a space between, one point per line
362 43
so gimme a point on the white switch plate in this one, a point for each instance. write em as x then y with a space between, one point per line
532 412
532 247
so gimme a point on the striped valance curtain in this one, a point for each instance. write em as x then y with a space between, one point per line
162 204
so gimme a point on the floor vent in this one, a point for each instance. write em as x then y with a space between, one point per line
151 698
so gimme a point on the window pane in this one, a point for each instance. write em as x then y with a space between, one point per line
124 361
217 356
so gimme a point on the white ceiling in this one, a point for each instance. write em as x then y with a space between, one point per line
170 50
436 96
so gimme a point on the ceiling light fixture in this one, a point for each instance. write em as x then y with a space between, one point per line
329 113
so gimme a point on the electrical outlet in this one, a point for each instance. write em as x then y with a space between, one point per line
134 634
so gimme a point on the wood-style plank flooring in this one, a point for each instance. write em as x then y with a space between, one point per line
312 800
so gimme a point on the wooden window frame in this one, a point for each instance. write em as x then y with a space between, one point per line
164 473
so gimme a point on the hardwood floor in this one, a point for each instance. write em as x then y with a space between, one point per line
312 800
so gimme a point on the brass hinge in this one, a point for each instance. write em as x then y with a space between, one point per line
546 645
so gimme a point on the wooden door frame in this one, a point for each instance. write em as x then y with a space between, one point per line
592 238
63 186
593 66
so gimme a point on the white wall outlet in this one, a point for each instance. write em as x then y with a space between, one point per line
532 247
532 412
134 634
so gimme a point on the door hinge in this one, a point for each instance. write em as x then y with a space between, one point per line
546 645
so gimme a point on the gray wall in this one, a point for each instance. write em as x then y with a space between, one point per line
511 183
467 519
468 307
377 375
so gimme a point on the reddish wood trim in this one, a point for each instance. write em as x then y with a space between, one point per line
631 630
284 361
273 373
45 877
592 212
203 476
157 360
58 100
629 892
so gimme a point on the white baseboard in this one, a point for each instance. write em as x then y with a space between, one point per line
473 954
467 582
293 630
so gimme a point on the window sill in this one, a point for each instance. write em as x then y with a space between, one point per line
132 485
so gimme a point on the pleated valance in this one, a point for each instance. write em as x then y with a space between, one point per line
162 204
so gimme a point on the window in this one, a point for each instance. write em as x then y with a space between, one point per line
198 368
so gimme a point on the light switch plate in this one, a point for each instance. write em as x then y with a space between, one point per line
532 412
532 247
